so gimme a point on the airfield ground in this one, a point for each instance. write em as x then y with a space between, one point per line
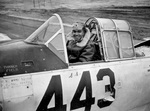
137 16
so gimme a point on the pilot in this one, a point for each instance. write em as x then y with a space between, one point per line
79 46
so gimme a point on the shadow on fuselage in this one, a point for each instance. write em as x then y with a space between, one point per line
19 57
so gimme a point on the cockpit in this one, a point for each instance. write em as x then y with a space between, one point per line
113 38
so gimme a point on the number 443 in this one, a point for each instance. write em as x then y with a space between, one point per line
55 87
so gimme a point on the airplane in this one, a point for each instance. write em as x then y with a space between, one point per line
35 74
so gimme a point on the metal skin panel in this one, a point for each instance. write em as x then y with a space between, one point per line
82 88
19 87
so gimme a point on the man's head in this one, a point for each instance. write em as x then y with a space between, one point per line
78 31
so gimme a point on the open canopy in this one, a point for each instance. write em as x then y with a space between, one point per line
114 37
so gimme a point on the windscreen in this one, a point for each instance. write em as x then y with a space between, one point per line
51 34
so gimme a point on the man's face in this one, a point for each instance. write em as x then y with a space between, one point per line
78 32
